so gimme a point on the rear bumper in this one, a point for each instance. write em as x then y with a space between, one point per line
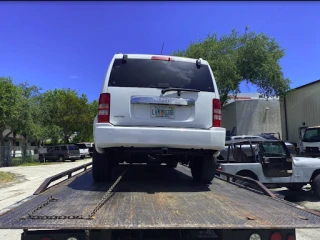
109 136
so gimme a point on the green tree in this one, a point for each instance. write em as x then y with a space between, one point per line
85 134
236 57
64 110
25 122
9 105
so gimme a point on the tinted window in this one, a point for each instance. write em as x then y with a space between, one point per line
81 146
312 135
146 73
64 148
273 149
56 148
73 147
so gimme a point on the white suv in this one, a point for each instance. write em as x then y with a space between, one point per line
158 109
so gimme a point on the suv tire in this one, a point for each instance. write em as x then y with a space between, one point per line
316 186
101 166
60 158
203 168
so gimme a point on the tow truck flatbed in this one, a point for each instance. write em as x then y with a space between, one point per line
155 198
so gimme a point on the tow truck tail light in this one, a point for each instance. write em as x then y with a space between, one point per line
216 113
276 236
104 108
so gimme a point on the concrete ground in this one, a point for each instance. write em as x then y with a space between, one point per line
304 198
30 179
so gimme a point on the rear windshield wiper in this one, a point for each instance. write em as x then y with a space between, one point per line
179 90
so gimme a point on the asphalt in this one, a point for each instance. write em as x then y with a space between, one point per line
30 178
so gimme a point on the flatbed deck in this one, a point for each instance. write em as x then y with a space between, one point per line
157 198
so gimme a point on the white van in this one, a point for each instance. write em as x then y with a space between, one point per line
158 109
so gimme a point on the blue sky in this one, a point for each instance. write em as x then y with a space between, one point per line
70 44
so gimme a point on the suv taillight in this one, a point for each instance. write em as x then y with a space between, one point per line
104 108
216 111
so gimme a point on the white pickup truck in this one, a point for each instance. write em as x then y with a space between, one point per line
270 162
84 150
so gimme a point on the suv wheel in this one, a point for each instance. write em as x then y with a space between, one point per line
60 159
316 186
101 166
203 168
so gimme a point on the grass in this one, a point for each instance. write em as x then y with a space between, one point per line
17 161
6 177
26 164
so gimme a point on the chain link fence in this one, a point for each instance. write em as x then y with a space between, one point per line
10 156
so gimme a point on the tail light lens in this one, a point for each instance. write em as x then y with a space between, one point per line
161 58
104 108
276 236
216 111
68 154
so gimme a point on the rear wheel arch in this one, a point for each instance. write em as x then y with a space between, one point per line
248 173
315 174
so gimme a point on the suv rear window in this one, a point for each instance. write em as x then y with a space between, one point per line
73 147
81 146
146 73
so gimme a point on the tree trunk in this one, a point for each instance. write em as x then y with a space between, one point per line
14 140
25 147
1 146
66 139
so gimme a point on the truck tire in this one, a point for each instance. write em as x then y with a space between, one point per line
101 166
203 168
316 186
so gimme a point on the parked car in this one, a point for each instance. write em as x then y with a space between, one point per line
90 147
84 150
159 109
62 152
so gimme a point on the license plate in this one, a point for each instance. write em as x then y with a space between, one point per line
162 112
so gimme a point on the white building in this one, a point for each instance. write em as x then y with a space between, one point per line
251 113
300 107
